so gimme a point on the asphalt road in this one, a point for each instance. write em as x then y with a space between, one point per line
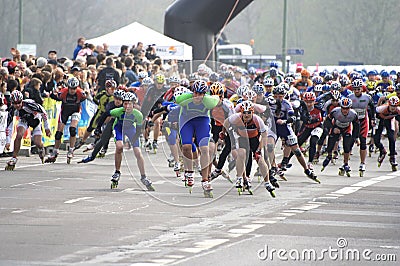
59 214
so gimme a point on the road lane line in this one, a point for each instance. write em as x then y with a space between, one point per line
76 200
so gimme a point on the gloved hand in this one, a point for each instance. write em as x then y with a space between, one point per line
257 155
221 135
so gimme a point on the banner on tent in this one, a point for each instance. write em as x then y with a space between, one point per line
163 51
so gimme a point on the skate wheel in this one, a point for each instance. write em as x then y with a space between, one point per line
239 189
155 151
150 188
348 174
250 192
259 179
394 168
272 194
341 173
361 173
68 161
190 190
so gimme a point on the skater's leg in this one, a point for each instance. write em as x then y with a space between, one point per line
313 148
157 127
347 146
139 160
105 138
72 129
240 161
17 141
391 137
224 153
204 162
187 157
119 148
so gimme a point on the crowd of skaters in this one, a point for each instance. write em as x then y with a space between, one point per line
259 107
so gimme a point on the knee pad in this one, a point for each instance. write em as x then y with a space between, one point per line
270 148
72 131
297 152
58 135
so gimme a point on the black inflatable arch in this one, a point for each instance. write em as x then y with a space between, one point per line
196 22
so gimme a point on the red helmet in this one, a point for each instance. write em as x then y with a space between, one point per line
305 73
309 96
394 101
110 83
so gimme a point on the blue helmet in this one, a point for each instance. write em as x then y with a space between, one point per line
200 86
385 74
273 64
252 71
258 88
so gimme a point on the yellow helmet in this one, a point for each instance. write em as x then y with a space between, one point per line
159 78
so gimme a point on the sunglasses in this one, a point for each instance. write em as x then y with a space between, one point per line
247 112
17 102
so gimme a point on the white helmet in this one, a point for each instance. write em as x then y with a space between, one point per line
147 81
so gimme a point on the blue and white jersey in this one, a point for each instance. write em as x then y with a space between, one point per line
280 110
346 93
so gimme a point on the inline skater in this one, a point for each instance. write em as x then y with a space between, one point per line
219 113
327 108
102 98
361 103
249 127
283 117
194 120
128 122
387 114
30 114
153 100
71 98
343 121
311 116
107 132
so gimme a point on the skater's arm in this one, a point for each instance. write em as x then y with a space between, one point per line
102 119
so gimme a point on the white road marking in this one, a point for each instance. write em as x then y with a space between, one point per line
36 182
347 190
76 200
19 211
206 244
365 183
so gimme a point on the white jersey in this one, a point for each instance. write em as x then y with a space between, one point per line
360 104
3 128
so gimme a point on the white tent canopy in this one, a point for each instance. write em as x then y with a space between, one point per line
166 47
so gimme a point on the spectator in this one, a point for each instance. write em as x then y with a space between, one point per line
106 51
130 74
124 51
52 55
32 91
109 72
81 43
151 53
98 50
137 49
48 84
